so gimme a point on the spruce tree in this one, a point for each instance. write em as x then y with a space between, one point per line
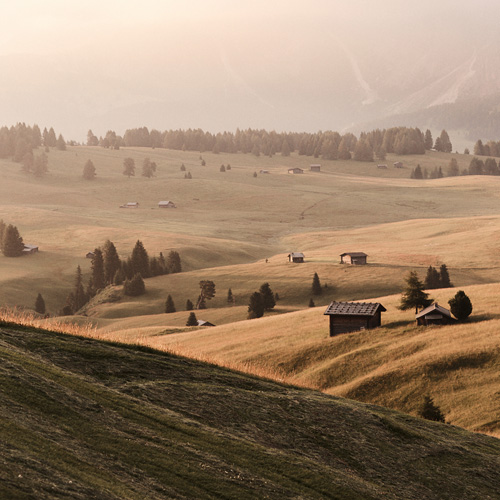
311 303
413 294
12 243
267 296
89 170
430 411
230 297
174 262
432 279
256 306
98 279
192 321
111 261
140 260
78 298
428 140
316 285
135 286
445 277
3 226
189 305
460 306
40 304
169 305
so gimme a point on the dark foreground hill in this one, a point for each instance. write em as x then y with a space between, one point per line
83 419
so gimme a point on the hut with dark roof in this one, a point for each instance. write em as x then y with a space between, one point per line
354 258
297 257
348 317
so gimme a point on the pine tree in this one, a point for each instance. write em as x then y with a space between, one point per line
3 226
61 143
453 169
169 305
256 306
98 279
148 168
140 260
12 243
118 278
414 295
267 296
444 277
207 292
89 170
445 142
418 172
230 297
428 140
111 261
78 298
460 306
430 411
189 305
432 279
40 304
285 148
40 167
316 285
174 262
222 168
183 168
311 303
192 321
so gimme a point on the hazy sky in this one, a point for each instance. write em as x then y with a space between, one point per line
217 64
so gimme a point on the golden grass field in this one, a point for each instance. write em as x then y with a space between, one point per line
227 224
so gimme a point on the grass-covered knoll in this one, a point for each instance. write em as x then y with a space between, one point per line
222 217
86 419
394 366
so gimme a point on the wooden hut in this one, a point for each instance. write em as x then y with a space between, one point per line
130 204
348 317
297 257
315 167
166 204
434 315
353 258
295 170
30 248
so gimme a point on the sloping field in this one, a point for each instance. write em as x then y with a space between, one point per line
395 366
83 419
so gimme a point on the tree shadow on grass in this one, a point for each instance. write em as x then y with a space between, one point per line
478 318
397 324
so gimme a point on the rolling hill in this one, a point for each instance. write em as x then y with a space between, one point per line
89 419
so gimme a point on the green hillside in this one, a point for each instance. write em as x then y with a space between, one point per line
93 420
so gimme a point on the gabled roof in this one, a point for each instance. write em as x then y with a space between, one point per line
354 308
432 308
296 254
204 323
354 254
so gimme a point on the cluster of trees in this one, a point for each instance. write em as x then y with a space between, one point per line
491 148
148 167
11 242
329 145
414 296
476 167
108 269
437 279
19 140
261 301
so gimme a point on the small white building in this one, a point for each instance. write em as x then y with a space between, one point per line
130 204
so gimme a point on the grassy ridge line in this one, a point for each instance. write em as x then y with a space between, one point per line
87 419
394 366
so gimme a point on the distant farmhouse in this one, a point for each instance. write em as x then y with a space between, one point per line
315 167
130 204
434 315
89 255
264 171
29 249
204 323
166 204
295 170
398 164
348 317
381 166
297 257
354 258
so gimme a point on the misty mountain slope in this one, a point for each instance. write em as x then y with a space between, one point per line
86 419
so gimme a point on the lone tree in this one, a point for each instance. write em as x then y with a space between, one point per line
89 170
169 305
413 294
40 304
12 243
311 303
267 296
256 306
460 306
207 292
192 321
230 296
430 411
128 167
148 168
189 305
316 285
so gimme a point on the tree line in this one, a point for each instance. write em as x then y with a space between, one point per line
328 145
